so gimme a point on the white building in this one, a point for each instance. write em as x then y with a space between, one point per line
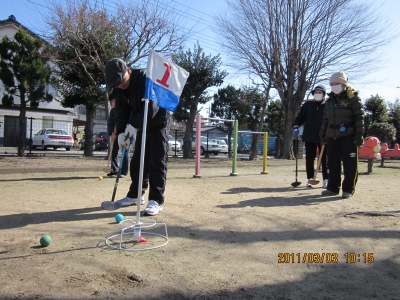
47 114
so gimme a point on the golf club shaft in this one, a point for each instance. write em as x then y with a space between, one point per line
119 173
110 154
319 160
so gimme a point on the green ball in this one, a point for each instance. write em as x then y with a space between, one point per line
45 240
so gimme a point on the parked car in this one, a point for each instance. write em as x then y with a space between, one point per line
204 141
53 138
99 142
224 146
173 144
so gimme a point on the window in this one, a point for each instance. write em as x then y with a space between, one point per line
100 113
47 122
82 110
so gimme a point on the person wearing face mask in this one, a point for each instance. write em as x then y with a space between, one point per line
342 129
310 115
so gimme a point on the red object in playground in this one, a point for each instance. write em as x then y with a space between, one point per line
371 148
390 153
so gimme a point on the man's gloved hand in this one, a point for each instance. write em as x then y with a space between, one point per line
129 130
123 141
296 132
322 139
358 139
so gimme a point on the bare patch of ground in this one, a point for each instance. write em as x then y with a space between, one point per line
250 236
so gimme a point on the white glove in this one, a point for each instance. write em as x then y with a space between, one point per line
129 130
123 141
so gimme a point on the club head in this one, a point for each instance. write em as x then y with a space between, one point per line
108 205
313 181
296 184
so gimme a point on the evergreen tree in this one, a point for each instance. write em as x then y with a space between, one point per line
204 73
25 74
227 106
394 115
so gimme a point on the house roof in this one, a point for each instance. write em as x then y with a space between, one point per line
42 110
12 21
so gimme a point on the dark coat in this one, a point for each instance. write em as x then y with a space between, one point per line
310 114
129 107
345 108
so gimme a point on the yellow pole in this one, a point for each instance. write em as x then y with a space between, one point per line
265 154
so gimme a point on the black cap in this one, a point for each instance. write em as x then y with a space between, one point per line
319 87
115 71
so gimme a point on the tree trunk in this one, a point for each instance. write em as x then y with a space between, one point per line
187 146
88 150
288 133
278 147
22 124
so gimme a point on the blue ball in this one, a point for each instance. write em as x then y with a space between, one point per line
119 218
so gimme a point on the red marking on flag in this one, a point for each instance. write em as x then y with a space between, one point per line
166 76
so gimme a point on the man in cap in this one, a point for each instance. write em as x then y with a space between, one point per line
128 89
342 128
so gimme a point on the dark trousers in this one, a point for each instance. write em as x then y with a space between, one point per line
311 149
155 163
342 150
115 161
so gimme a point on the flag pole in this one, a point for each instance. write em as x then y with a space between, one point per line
137 230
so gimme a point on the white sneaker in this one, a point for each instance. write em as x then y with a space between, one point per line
308 184
153 208
325 183
130 201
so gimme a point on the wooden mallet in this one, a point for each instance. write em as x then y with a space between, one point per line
314 181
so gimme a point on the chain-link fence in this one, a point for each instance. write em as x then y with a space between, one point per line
46 136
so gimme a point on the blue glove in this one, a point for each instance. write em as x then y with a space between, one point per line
296 132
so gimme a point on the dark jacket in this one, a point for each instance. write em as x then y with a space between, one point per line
129 107
343 109
310 114
111 121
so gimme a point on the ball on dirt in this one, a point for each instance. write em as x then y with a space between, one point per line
100 178
119 218
45 240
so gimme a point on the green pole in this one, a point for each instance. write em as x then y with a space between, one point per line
234 156
265 154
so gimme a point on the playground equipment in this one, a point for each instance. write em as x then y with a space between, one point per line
235 143
389 153
370 149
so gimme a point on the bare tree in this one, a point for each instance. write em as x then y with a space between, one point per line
295 43
91 34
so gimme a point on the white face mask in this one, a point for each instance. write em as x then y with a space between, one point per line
318 97
337 89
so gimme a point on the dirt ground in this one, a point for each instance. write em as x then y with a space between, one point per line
250 236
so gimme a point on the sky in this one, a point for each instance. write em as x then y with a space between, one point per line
385 80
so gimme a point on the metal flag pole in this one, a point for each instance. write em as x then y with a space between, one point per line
137 230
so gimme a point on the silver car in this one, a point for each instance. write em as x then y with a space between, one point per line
206 145
224 146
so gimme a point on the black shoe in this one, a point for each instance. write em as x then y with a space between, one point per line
329 193
112 174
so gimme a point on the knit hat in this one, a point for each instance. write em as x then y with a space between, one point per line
319 87
115 71
339 77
